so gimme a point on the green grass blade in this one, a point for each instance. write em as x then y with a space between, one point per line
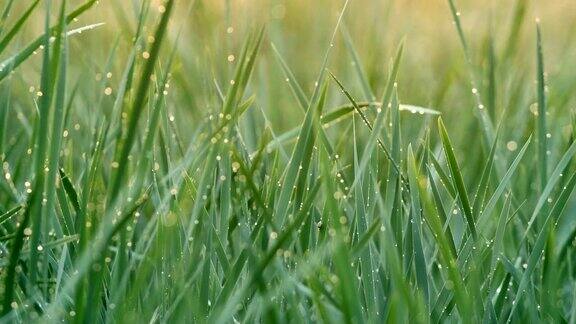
541 118
457 178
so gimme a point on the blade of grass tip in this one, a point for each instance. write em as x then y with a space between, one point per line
65 218
303 102
503 184
232 93
456 17
541 122
138 106
251 61
368 94
391 83
485 120
291 79
483 185
322 73
70 191
520 10
457 178
296 88
538 248
17 26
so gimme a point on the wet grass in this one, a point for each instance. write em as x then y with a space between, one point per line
178 179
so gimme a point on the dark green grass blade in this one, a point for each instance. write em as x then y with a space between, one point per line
9 214
457 178
541 118
420 263
483 185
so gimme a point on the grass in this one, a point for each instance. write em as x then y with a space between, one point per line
199 161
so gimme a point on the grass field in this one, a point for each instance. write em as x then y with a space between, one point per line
275 161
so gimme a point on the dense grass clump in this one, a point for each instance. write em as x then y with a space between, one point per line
286 161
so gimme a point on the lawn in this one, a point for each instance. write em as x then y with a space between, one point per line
287 161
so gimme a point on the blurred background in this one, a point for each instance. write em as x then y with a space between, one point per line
501 37
433 71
